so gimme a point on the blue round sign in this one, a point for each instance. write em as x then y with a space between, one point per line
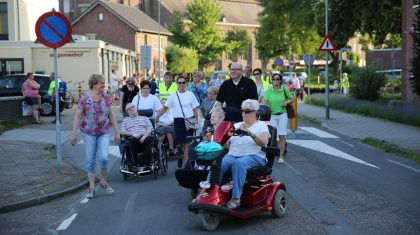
53 29
279 62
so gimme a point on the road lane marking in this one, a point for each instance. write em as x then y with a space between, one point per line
344 142
403 165
324 148
318 132
115 150
84 200
128 211
66 223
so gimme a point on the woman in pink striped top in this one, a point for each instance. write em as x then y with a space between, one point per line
32 97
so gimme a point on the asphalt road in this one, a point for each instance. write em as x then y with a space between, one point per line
350 188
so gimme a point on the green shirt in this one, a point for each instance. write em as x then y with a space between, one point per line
276 99
52 87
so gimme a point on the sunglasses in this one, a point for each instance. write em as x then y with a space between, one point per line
257 74
277 79
182 82
247 111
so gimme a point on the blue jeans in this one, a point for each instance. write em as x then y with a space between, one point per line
93 144
239 167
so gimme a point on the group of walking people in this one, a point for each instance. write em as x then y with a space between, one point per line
181 103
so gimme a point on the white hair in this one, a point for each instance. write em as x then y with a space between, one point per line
250 104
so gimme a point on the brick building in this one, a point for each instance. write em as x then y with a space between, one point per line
124 26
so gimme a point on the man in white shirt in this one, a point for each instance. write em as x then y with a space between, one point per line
114 81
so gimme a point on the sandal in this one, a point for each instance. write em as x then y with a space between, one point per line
234 203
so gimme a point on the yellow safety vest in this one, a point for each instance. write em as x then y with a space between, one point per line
164 93
52 87
346 83
265 84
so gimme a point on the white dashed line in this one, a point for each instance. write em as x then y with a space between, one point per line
66 223
85 200
318 132
403 165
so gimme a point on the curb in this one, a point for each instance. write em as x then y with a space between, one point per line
42 199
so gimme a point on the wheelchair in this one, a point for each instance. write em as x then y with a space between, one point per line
159 161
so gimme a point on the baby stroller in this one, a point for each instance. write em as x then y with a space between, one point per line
130 165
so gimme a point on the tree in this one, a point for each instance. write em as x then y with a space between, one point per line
196 28
415 71
286 26
181 59
237 42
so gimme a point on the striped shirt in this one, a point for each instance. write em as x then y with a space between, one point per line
136 125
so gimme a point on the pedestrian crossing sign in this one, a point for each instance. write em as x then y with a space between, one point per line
327 44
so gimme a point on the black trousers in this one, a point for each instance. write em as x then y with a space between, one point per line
136 148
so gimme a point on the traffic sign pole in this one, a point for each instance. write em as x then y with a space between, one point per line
309 80
327 81
57 116
53 29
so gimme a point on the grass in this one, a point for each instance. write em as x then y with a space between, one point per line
310 120
389 107
10 125
391 148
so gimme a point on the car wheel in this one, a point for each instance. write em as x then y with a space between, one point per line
46 108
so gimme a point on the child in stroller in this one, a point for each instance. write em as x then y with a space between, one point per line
136 130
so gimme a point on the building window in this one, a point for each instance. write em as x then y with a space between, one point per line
161 42
121 1
4 30
155 42
101 16
141 5
145 39
91 36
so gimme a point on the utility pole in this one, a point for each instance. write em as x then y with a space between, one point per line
327 81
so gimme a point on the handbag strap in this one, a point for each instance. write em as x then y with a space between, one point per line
180 104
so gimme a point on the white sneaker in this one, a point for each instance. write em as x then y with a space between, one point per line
281 160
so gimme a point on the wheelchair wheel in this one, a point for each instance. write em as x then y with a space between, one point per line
125 176
163 159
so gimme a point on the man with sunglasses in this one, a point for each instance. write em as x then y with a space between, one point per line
236 89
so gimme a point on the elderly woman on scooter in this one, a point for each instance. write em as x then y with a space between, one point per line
245 150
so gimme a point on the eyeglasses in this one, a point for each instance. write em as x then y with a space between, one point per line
257 74
234 69
130 108
247 111
277 79
182 83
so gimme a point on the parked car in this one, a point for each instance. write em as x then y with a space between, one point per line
11 85
213 77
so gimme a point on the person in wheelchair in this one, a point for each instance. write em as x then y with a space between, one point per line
245 150
138 130
165 129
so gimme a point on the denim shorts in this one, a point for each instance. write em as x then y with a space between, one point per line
31 100
96 144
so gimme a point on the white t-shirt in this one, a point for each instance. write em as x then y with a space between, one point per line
296 83
149 102
114 80
188 101
245 145
167 117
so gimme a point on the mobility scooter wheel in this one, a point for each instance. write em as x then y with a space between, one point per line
279 204
194 193
209 220
125 176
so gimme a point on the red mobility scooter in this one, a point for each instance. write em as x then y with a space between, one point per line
260 193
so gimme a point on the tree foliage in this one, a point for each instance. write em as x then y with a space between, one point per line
415 72
365 83
196 28
237 41
285 23
181 59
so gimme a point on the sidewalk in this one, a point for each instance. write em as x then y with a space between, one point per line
360 127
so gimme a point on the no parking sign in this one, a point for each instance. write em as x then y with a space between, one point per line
53 29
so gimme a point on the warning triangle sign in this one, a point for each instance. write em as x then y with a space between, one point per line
327 44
